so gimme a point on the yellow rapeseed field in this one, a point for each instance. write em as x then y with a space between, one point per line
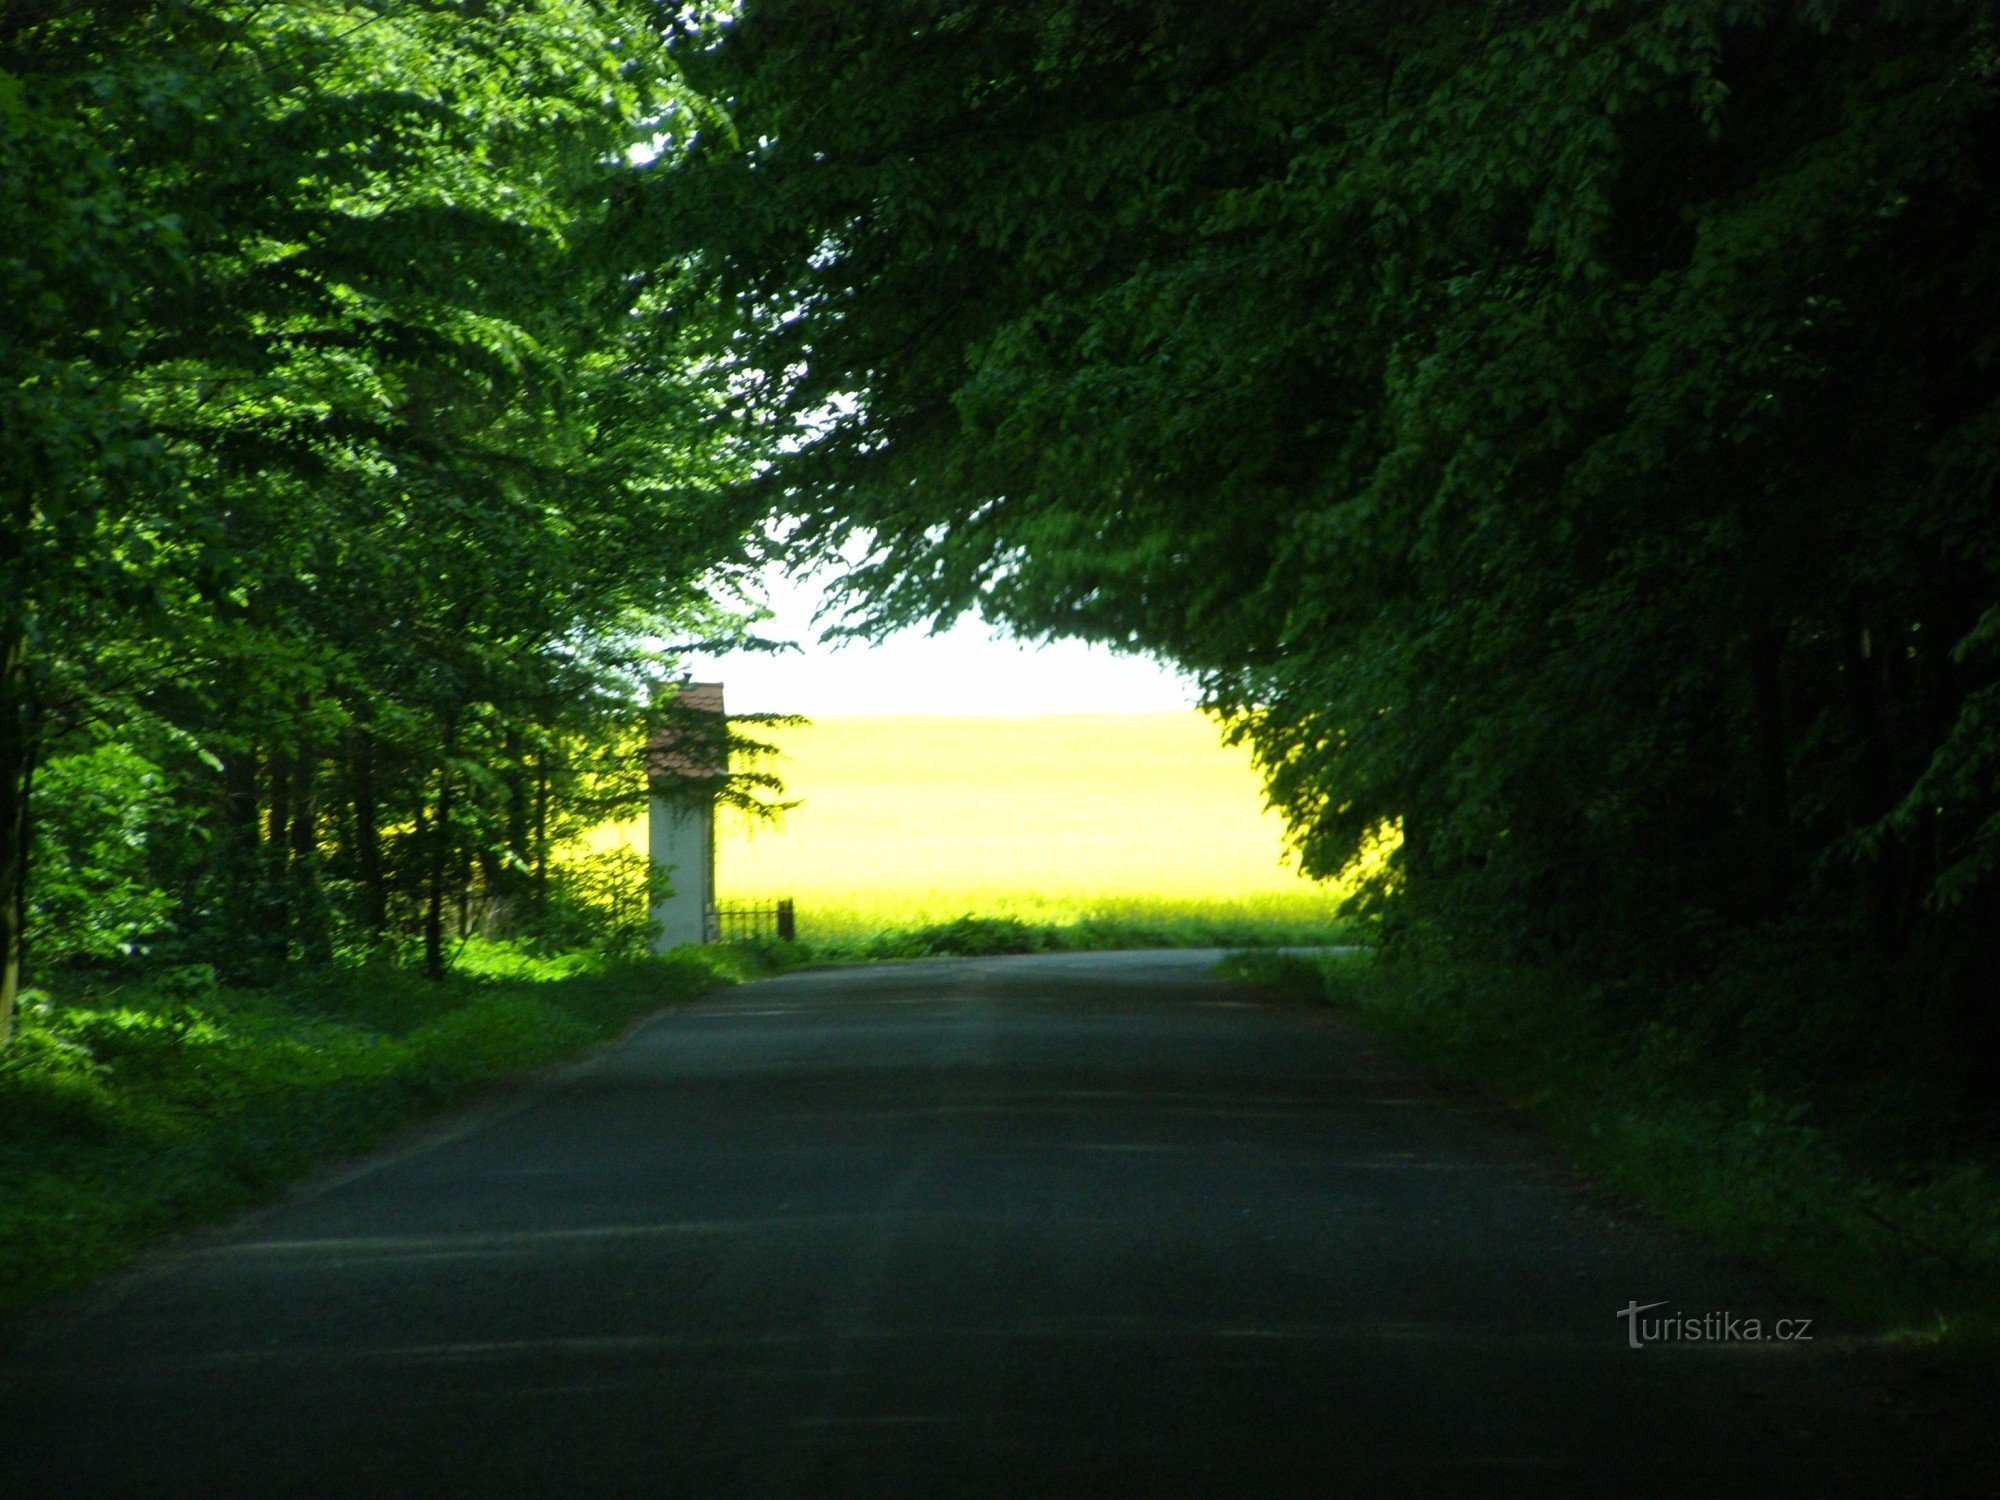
901 821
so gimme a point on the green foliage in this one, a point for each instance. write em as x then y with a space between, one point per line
1221 924
978 937
493 1035
362 471
135 1111
968 936
104 815
603 901
1561 436
54 1085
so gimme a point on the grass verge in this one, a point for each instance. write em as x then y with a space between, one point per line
1144 921
134 1111
980 937
1853 1189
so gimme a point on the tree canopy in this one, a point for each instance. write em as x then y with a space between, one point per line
1562 436
358 475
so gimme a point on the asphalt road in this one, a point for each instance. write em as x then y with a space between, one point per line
1076 1225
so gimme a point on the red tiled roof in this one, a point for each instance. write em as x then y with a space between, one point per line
683 749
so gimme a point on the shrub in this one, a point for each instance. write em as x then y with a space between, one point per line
98 816
968 937
603 902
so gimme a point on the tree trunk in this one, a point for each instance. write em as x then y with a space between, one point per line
497 877
1770 812
509 879
367 835
239 798
309 917
1872 796
541 841
281 802
239 863
17 766
440 858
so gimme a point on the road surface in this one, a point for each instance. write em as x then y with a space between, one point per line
1069 1225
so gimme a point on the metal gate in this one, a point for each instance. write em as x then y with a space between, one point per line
748 924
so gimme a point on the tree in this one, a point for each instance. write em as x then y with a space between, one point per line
85 515
1560 435
350 452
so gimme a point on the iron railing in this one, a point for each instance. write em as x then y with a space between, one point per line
747 924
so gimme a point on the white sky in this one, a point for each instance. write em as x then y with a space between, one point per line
969 669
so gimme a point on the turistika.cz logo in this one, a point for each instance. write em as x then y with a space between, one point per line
1707 1328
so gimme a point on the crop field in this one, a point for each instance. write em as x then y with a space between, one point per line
1142 818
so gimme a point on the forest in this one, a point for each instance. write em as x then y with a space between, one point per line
361 470
1561 436
1560 439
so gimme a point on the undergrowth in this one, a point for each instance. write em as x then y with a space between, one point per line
979 937
1827 1178
135 1109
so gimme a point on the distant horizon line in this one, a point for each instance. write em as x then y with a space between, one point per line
946 713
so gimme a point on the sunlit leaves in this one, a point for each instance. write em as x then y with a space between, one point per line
330 407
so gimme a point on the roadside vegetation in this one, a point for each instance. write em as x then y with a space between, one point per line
363 477
1131 925
362 480
1559 438
1848 1176
143 1102
833 916
142 1106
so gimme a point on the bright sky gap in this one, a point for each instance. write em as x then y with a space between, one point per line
970 668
